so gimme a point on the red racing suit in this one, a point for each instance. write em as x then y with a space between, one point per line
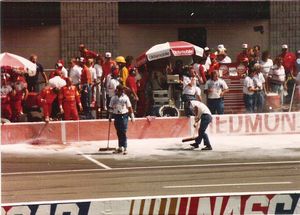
68 98
45 100
6 111
17 95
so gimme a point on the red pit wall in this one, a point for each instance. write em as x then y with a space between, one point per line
93 130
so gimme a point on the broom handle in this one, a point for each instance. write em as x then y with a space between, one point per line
108 135
292 98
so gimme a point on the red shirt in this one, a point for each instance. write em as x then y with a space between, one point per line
289 60
87 54
47 94
131 83
86 77
242 57
106 67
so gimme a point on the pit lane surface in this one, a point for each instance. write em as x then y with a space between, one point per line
91 175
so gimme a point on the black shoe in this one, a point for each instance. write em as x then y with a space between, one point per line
206 148
195 145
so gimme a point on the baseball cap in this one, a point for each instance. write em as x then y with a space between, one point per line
107 54
221 47
298 52
206 49
284 46
245 46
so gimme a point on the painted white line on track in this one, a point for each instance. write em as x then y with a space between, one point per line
154 197
93 160
149 167
226 185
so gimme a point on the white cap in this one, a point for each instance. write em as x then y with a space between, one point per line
107 54
284 46
245 46
221 47
298 52
206 48
59 65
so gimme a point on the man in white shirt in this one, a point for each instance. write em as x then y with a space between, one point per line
120 108
215 88
75 72
189 89
248 90
202 115
259 84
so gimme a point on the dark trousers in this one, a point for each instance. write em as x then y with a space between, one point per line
121 125
86 101
216 106
205 120
259 101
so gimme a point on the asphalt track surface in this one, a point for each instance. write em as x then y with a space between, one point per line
34 177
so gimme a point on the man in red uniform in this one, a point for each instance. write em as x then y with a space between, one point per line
289 60
18 95
6 89
46 98
68 98
242 55
132 88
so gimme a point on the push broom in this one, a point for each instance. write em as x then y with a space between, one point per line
108 137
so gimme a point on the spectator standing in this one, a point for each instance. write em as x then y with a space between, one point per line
106 67
222 57
266 63
32 81
259 85
207 59
215 89
215 65
202 114
113 80
97 85
120 60
248 91
87 54
189 89
297 63
6 90
68 99
277 81
86 82
75 72
120 108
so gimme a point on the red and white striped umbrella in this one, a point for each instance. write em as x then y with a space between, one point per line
168 49
16 61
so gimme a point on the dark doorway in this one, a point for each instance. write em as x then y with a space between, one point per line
197 36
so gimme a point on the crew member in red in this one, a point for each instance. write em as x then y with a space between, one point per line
132 88
242 55
68 99
45 100
215 65
289 61
87 54
6 89
18 94
57 71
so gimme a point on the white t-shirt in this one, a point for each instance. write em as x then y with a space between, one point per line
93 73
277 74
217 87
259 80
226 60
75 73
112 86
248 82
189 90
99 70
202 108
120 104
266 66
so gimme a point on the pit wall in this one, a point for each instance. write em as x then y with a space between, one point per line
151 127
232 203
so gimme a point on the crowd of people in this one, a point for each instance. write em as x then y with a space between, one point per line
89 81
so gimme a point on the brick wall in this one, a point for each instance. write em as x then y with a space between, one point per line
94 24
284 25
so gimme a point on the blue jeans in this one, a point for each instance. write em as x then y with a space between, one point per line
205 120
259 101
249 103
86 93
121 125
216 105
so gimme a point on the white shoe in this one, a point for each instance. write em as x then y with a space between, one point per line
118 150
125 151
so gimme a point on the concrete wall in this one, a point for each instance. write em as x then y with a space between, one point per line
43 41
284 25
134 39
